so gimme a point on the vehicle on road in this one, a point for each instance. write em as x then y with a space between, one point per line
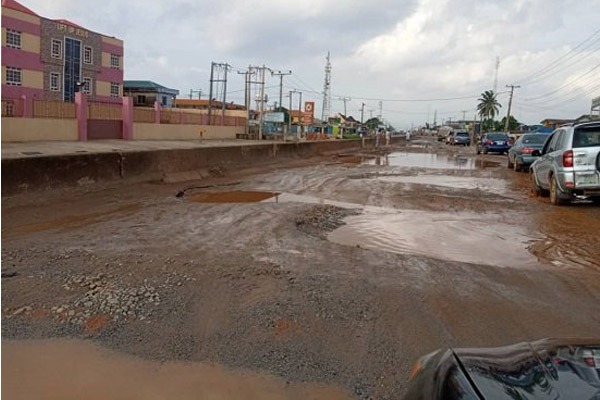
461 138
568 166
545 369
519 155
494 142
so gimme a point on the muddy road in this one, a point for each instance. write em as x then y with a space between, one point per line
321 278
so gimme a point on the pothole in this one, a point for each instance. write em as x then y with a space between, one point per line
237 196
462 237
423 160
497 186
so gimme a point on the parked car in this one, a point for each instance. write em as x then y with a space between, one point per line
519 155
568 166
494 142
461 138
544 369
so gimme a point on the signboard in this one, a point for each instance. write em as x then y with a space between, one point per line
307 118
274 117
309 107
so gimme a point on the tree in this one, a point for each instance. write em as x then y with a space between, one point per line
373 123
513 124
488 107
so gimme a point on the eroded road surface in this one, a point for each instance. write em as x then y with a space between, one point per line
323 278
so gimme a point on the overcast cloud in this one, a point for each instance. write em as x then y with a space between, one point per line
410 54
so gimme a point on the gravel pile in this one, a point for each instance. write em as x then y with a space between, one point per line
321 219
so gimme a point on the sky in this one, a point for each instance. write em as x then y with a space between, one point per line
413 61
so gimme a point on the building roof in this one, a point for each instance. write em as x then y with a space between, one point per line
147 85
15 5
201 103
67 22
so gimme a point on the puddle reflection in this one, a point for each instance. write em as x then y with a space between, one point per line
462 237
423 160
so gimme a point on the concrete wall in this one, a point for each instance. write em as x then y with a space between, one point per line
38 173
147 131
38 129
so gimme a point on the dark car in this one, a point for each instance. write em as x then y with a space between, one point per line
494 142
545 369
461 138
519 155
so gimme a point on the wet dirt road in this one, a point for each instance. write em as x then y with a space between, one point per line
323 279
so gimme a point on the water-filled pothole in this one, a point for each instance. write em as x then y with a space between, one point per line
497 186
236 196
423 160
462 237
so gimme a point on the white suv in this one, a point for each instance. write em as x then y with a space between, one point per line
569 164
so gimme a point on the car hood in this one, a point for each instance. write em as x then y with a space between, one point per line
546 369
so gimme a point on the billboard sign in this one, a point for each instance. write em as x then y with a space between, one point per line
274 117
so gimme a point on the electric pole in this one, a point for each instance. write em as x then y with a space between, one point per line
281 75
345 99
192 92
512 89
380 116
464 113
247 101
219 67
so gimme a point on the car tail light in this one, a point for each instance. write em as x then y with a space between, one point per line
527 150
589 361
490 142
567 158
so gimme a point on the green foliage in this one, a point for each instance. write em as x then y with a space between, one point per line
373 123
488 106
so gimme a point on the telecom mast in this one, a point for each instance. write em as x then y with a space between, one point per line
327 92
496 75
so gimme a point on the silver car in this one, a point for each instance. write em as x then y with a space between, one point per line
569 164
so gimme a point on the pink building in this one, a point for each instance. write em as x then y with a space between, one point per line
49 59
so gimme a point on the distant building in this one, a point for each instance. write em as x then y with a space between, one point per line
554 123
52 59
145 93
199 104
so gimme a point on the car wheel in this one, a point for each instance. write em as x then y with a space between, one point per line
538 191
518 167
509 164
555 194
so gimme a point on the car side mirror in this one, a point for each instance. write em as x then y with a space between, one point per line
536 153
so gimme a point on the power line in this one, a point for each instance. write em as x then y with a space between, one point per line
566 84
556 62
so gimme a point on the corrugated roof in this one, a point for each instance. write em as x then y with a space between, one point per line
15 5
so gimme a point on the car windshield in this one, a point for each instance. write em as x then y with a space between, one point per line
464 134
586 137
534 139
497 136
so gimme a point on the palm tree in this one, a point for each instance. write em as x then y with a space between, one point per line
488 106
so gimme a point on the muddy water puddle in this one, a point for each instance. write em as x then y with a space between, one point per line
462 237
76 369
423 160
492 185
236 196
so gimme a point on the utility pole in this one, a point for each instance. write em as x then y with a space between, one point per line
192 92
300 116
345 99
496 75
259 72
281 75
434 118
380 117
512 89
290 113
218 67
247 75
464 113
